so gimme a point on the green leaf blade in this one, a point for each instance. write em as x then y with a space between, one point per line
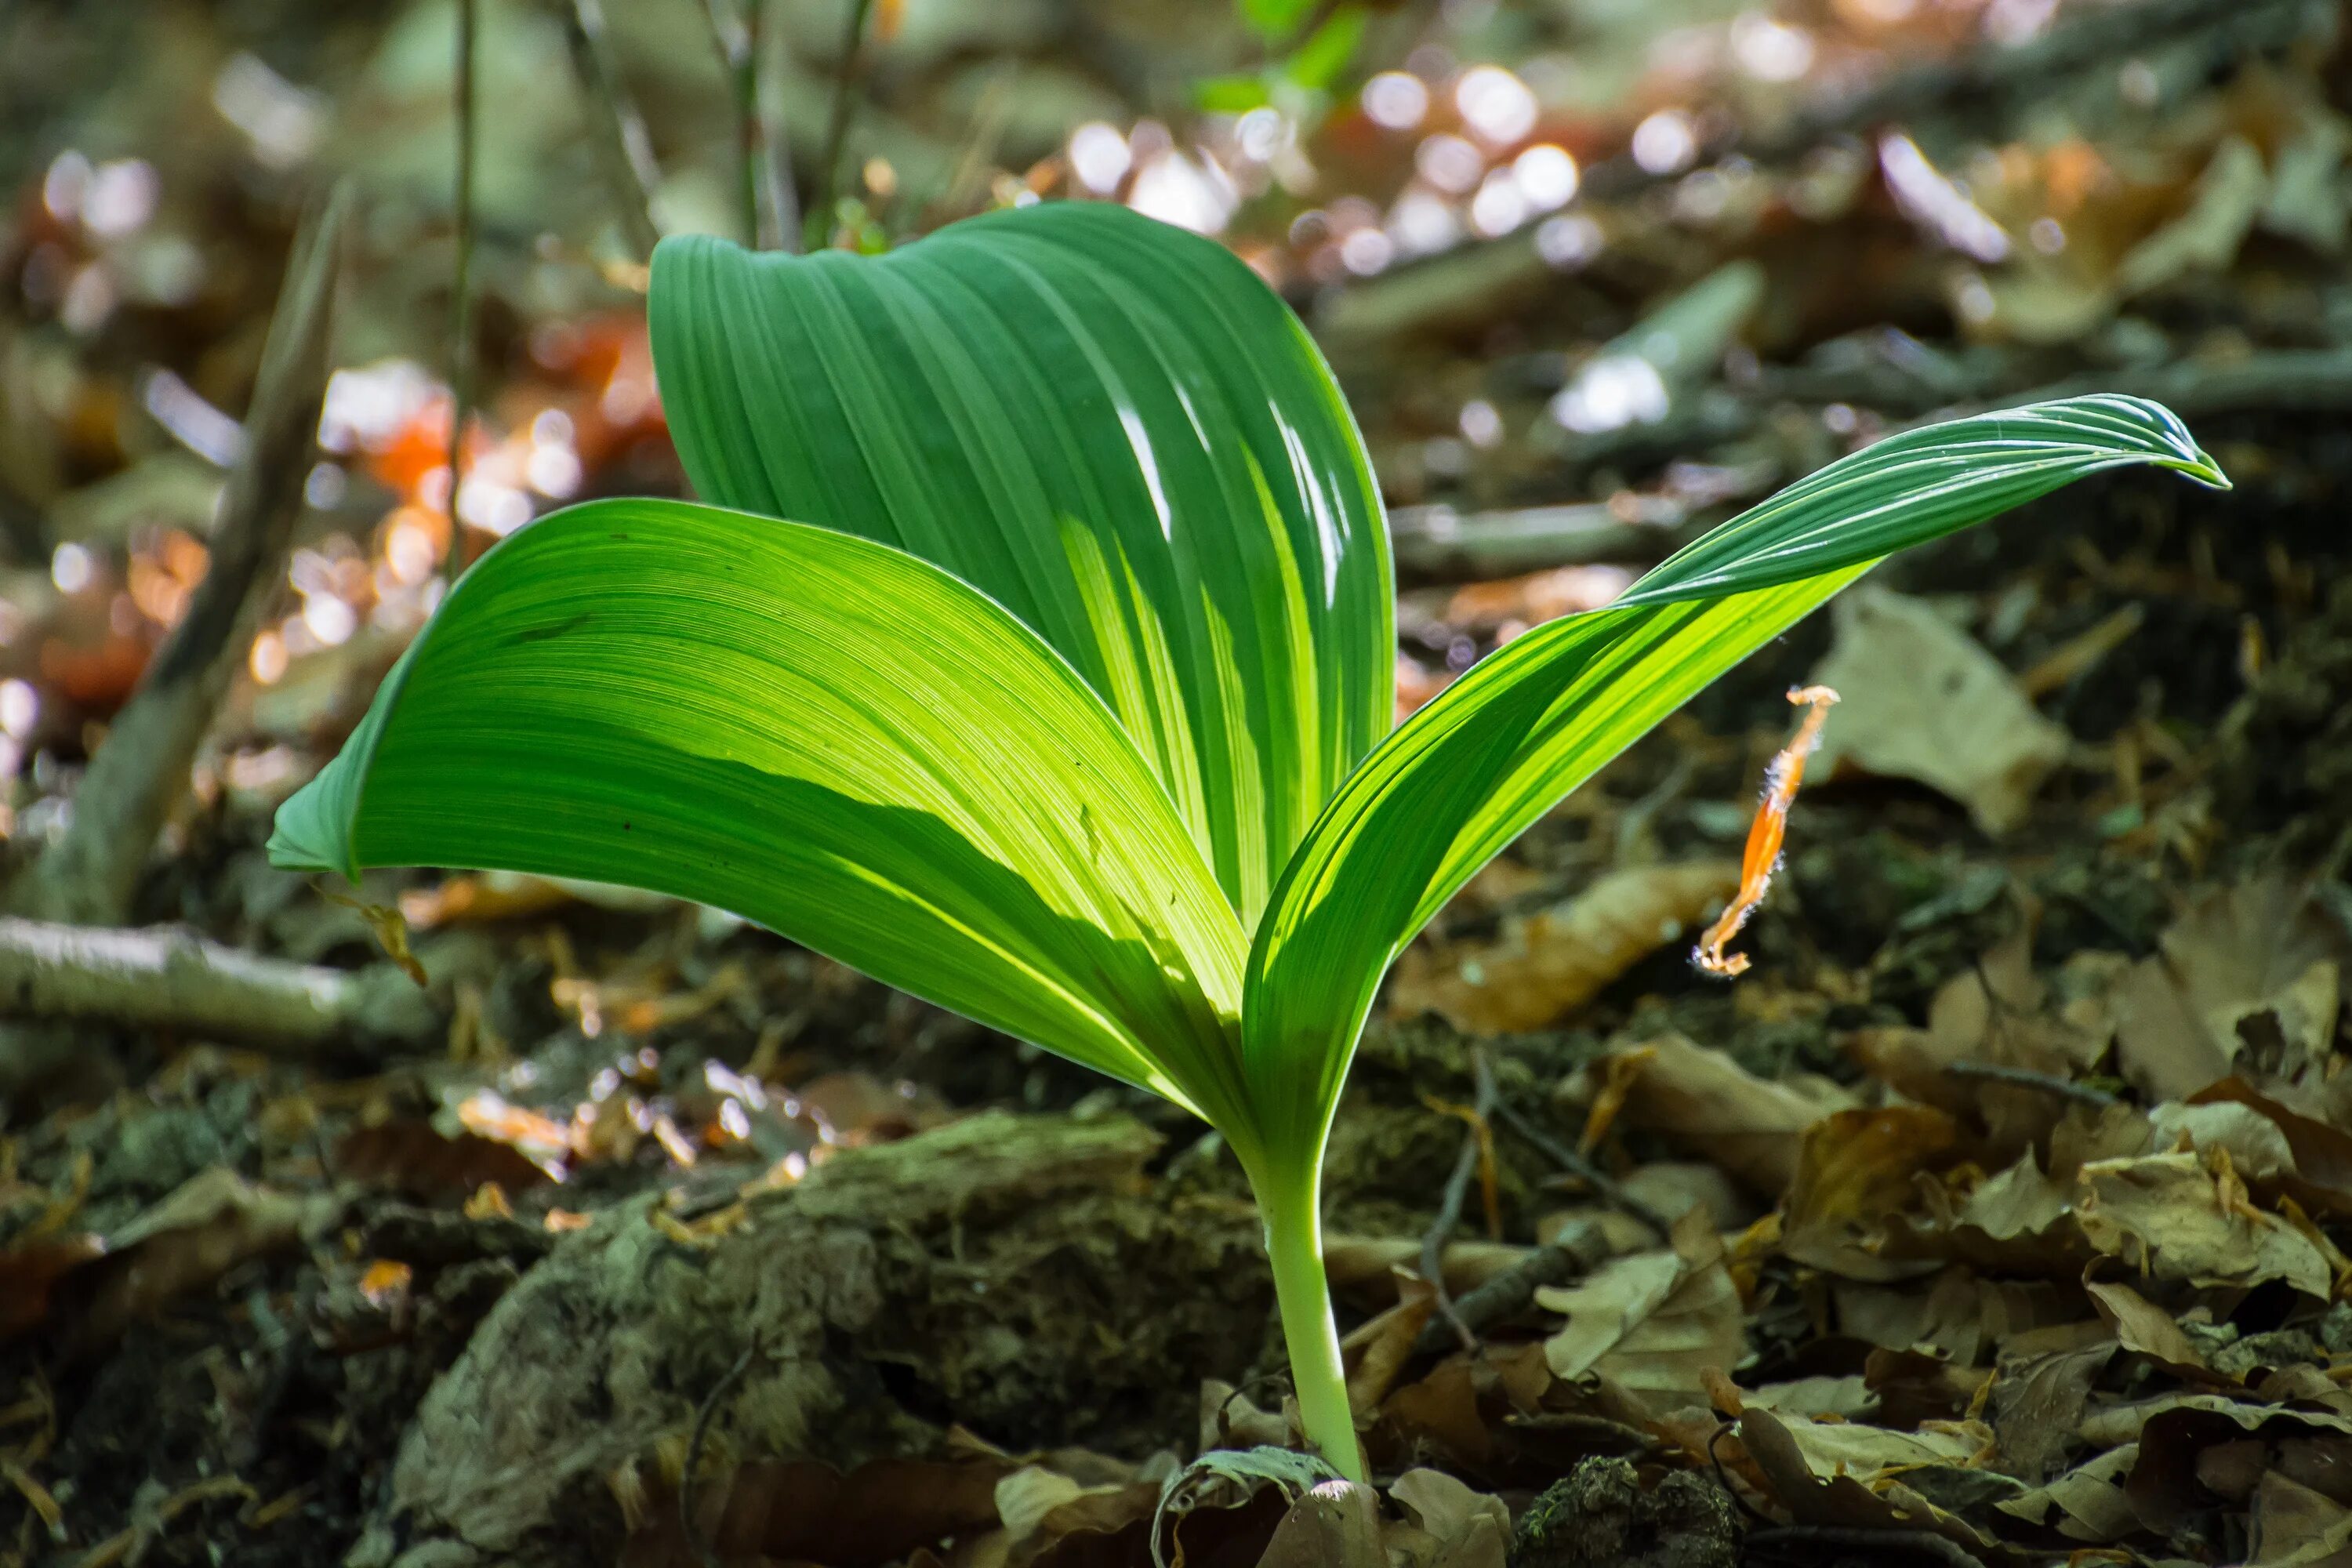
827 736
982 396
1478 765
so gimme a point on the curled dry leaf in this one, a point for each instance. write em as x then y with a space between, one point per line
1855 1170
1843 1475
2145 1329
1446 1524
1543 967
1704 1103
2188 1218
1957 1318
2247 982
2295 1526
1655 1323
2088 1503
1924 702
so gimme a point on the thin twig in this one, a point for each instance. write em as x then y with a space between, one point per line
1581 1246
702 1415
2026 1077
836 133
92 873
736 35
1474 1149
461 356
1604 1187
623 147
783 225
1861 1538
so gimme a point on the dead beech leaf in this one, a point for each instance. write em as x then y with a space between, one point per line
2257 1145
2145 1329
2185 1217
1543 967
2229 197
2250 973
1708 1104
2294 1526
1842 1474
1446 1524
1653 1323
2038 1398
1924 702
2088 1503
1855 1169
1957 1318
1334 1524
1376 1353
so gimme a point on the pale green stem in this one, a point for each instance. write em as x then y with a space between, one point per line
1293 1244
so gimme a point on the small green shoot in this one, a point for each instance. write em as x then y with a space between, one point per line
1044 666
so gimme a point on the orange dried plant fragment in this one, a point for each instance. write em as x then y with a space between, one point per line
1764 839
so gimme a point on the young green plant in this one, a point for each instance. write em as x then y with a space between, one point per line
1035 654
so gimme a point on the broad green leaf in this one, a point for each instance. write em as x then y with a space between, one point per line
1473 769
1110 427
825 735
1275 19
1325 52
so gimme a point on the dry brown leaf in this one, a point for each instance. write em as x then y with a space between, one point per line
1446 1524
1706 1102
1924 702
1376 1353
1959 1317
1542 967
2038 1399
1334 1525
2257 1146
2145 1329
1856 1169
2205 238
2247 982
2180 1216
1841 1474
1653 1324
2294 1527
2088 1503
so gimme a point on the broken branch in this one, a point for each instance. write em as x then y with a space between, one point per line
92 871
166 977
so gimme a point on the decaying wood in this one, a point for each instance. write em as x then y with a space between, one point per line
91 872
993 1257
172 979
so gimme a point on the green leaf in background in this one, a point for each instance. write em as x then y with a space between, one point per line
1498 748
822 734
1112 427
1323 54
1274 20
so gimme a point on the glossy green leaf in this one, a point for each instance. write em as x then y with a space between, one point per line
825 735
1498 748
1110 427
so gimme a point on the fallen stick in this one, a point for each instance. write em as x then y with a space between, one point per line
92 873
165 977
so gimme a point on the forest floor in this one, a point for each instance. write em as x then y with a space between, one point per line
1999 1214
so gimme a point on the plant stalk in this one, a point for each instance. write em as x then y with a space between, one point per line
1293 1244
461 330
